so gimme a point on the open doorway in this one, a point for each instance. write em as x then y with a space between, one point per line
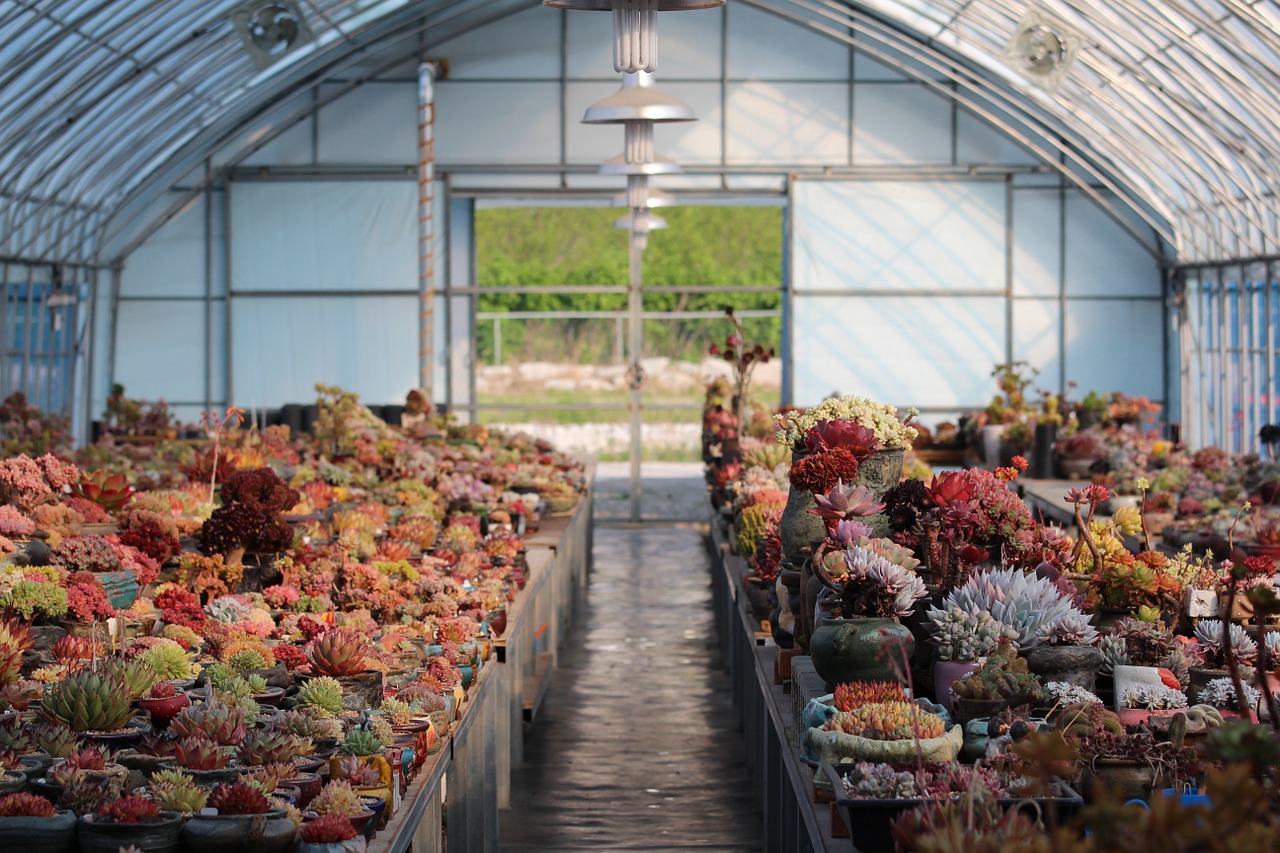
552 349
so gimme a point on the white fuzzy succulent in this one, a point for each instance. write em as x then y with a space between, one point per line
1221 694
227 609
963 635
1273 647
1063 692
1021 600
1152 697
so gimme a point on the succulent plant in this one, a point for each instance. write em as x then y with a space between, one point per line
1145 643
1073 630
197 752
875 586
1152 697
88 702
1115 652
339 652
15 638
1209 636
880 782
753 524
267 777
1065 693
136 675
1272 640
1004 676
360 742
1020 600
1179 662
322 696
359 773
888 721
248 659
54 738
71 648
238 798
25 805
170 662
132 809
1221 694
855 694
302 724
109 491
163 690
175 791
963 635
219 722
85 796
398 712
338 797
77 765
328 829
271 746
13 734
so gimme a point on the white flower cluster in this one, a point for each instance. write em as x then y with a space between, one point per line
881 418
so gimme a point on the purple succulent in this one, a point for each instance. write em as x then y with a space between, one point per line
845 502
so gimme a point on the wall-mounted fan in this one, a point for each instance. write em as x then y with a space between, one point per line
1042 49
271 30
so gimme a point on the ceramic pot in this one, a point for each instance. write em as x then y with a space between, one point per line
1042 452
992 434
788 592
965 710
947 671
857 649
13 781
1075 467
55 834
308 785
800 530
164 710
757 590
1073 664
1124 779
160 836
272 832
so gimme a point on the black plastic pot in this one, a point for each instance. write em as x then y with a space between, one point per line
95 835
55 834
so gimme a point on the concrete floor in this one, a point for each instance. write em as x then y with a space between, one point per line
636 746
672 491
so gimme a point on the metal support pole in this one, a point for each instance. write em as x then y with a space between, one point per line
635 259
497 341
426 228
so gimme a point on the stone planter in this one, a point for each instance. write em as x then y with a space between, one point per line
1124 779
355 845
1076 665
1133 676
1200 603
839 748
1075 467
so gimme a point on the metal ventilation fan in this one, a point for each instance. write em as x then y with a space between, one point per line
1042 49
271 30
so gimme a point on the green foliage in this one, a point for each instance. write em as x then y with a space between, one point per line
580 246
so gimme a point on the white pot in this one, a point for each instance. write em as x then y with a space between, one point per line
1200 603
1134 676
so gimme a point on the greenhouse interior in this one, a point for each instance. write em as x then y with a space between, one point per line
763 425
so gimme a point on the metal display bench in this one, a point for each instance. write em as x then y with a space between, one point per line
469 780
769 714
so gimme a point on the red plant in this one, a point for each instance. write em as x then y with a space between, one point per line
328 829
180 607
71 649
828 435
950 487
87 759
133 809
25 805
163 690
109 491
820 472
86 599
152 539
238 798
261 490
291 656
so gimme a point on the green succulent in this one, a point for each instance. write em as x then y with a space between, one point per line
321 696
248 659
88 702
257 683
170 662
361 742
176 791
54 738
136 674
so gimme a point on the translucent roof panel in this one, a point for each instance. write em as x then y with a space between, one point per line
1170 106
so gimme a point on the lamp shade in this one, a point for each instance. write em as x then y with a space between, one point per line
639 99
608 5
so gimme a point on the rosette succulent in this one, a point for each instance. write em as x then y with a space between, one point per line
88 702
1073 630
874 586
1220 693
1020 600
964 635
1210 637
1152 697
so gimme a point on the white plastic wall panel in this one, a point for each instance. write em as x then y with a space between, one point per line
909 350
901 236
282 347
497 123
1037 339
768 47
1103 334
900 123
589 143
522 46
291 148
691 142
590 45
376 124
172 262
977 142
342 236
174 328
792 123
1102 259
1037 245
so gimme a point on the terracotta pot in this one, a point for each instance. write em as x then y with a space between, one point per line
308 785
164 710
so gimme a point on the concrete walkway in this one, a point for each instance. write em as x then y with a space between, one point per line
636 746
672 491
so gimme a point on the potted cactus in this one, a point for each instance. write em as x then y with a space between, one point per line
962 638
340 654
1003 681
238 818
32 824
133 820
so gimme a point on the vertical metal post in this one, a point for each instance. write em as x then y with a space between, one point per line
90 349
426 227
1269 330
497 341
27 335
114 331
619 345
635 272
208 286
6 335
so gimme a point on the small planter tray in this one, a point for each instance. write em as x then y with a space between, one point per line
869 820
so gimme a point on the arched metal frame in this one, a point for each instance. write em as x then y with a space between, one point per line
1170 104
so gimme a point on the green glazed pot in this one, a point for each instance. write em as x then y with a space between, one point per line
857 649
